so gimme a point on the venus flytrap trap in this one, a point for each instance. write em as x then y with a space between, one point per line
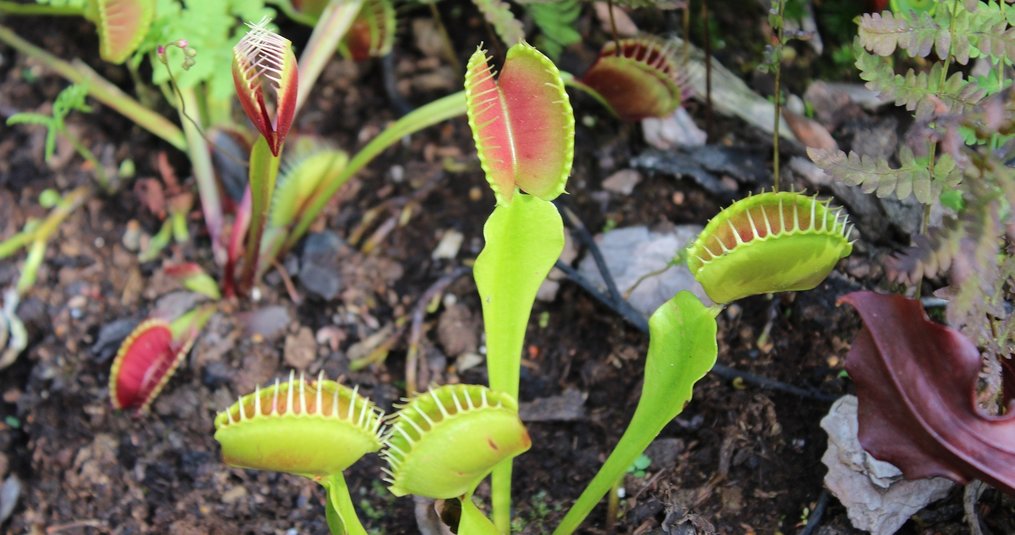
313 429
149 356
635 78
442 443
771 242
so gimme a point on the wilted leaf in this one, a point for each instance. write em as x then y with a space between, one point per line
916 383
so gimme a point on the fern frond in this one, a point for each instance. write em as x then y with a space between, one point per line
966 246
924 93
882 33
499 14
30 118
981 32
874 175
556 25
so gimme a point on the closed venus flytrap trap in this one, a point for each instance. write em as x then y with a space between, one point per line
772 242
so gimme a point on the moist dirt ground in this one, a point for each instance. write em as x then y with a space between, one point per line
740 459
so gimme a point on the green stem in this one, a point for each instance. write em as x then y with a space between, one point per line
449 48
500 495
428 115
342 518
263 172
204 172
335 21
572 82
14 8
636 438
43 232
473 521
100 173
100 89
778 96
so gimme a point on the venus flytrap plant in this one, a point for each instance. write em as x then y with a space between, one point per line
313 429
523 127
266 78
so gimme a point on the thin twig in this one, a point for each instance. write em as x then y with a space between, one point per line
416 328
583 235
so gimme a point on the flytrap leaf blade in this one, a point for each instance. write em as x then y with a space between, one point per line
522 123
682 349
523 240
916 384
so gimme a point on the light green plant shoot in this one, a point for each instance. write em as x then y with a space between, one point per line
682 349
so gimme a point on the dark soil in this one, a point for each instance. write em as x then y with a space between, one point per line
739 459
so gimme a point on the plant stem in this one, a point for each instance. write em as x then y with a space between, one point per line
14 8
263 172
449 48
335 21
340 508
204 174
44 231
430 114
100 89
778 95
89 156
613 502
473 521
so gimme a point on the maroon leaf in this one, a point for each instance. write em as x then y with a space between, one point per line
916 381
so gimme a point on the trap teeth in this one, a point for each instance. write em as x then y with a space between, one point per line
443 442
312 428
770 242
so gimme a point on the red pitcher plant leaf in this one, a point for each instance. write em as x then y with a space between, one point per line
522 123
122 25
637 78
916 383
266 78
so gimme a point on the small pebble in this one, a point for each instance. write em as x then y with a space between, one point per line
132 236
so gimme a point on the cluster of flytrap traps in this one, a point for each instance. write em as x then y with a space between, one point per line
441 444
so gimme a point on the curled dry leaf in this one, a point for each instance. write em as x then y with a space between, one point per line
916 381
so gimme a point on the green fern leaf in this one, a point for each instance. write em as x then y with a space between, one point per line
499 15
882 33
556 25
874 175
923 93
